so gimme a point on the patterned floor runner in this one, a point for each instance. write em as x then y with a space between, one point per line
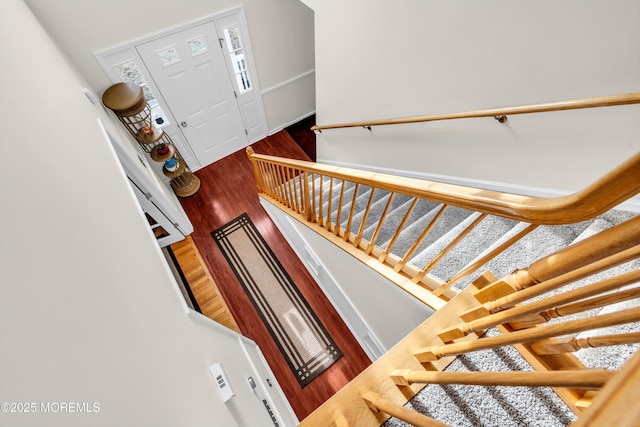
302 339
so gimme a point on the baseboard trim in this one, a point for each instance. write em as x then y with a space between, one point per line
632 205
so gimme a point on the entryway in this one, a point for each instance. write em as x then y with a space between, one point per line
200 80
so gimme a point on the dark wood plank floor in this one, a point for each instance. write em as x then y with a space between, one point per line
228 189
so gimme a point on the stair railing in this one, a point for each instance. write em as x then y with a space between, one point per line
324 197
499 114
527 307
531 320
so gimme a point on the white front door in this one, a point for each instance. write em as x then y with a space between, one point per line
190 72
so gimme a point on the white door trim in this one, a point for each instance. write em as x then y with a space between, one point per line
168 31
124 52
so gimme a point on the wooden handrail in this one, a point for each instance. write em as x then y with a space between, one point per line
615 187
575 104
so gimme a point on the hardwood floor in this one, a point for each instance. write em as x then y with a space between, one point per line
203 287
227 190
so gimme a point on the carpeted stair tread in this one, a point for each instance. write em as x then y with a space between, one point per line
334 191
530 248
487 233
346 204
423 209
451 217
475 405
398 202
612 357
377 208
496 406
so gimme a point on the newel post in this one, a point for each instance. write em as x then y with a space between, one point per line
256 170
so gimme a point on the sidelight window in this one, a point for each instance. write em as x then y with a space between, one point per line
130 74
235 51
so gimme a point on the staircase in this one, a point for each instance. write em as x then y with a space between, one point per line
536 315
456 404
439 247
395 221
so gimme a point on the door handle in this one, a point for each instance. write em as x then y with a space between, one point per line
183 124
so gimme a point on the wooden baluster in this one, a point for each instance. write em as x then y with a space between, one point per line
571 344
280 188
282 180
308 212
584 378
529 293
430 354
284 185
273 173
577 307
585 252
365 216
320 201
329 207
263 184
336 230
296 195
407 256
314 217
275 184
347 232
291 188
374 237
265 170
427 268
488 257
539 306
299 187
378 404
617 403
385 253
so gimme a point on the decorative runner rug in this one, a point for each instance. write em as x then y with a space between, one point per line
302 339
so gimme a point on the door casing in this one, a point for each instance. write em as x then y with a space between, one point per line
255 123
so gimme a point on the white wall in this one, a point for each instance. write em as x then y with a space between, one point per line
379 59
378 313
89 312
281 33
